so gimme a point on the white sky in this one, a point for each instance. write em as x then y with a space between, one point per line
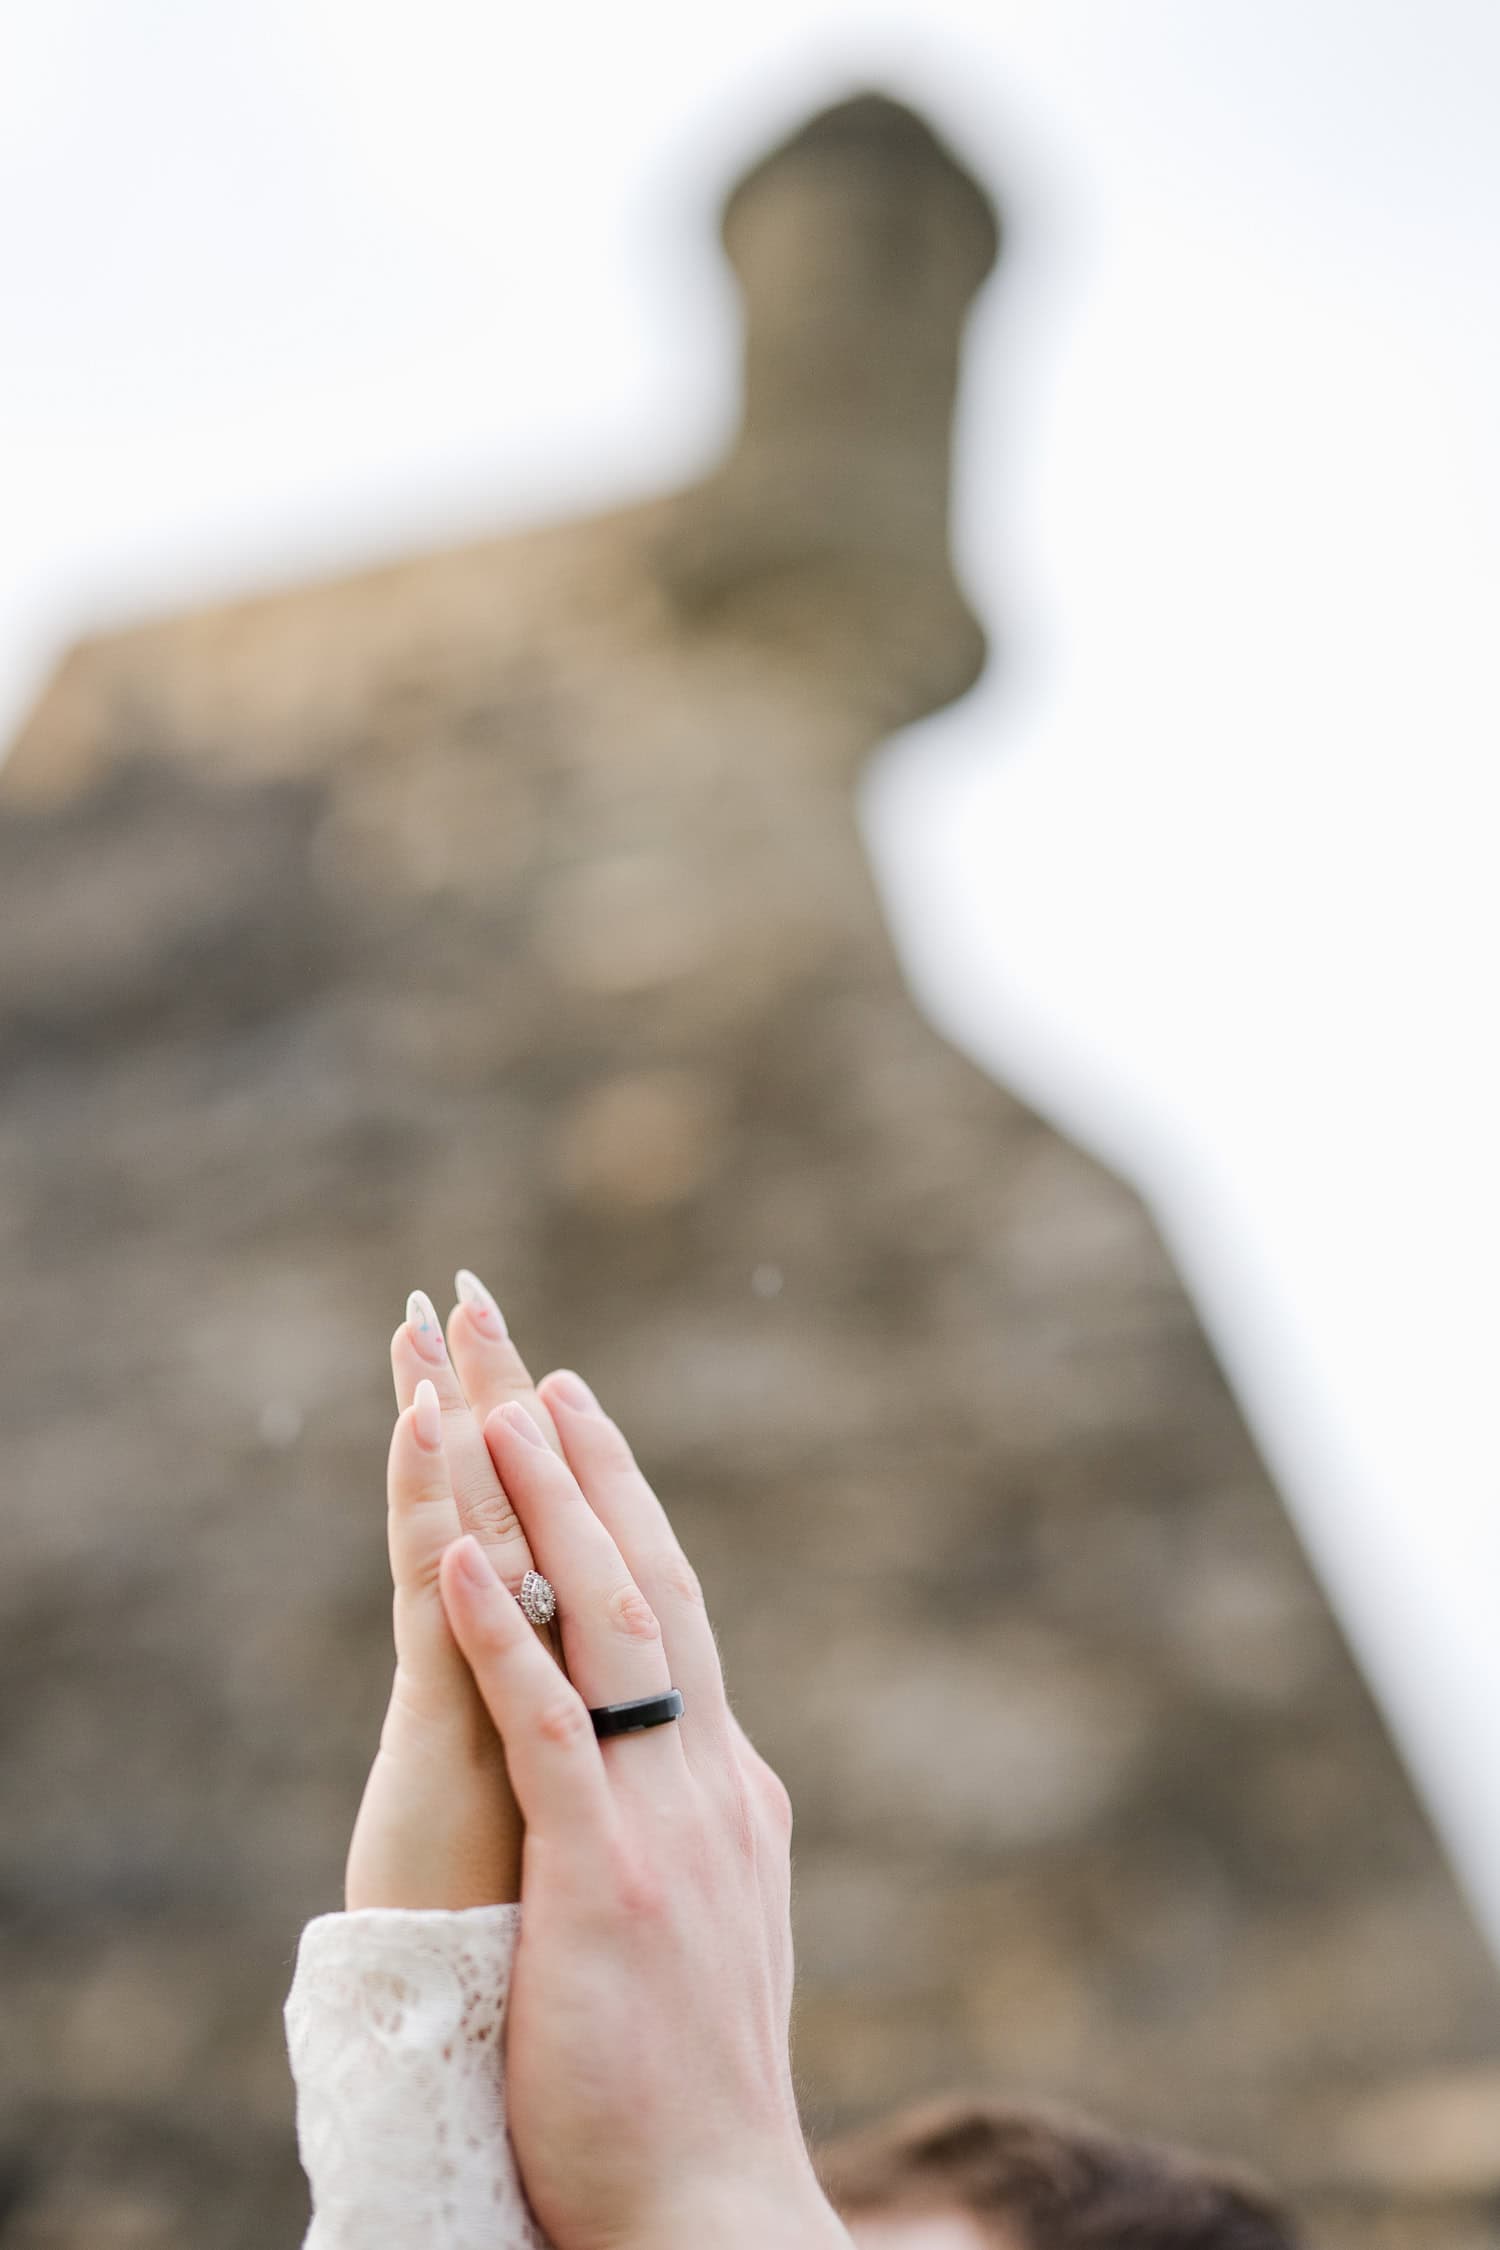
1206 868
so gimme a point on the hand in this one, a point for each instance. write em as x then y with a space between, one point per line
438 1825
648 2082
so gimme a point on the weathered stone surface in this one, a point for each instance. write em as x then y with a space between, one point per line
505 907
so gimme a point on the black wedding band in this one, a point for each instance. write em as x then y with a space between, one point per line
629 1718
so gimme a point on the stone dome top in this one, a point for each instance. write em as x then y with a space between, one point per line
873 136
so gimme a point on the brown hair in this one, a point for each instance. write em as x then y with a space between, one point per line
1058 2182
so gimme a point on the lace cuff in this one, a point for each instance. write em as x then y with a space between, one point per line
394 2025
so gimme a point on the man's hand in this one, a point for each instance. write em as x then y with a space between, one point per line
648 2082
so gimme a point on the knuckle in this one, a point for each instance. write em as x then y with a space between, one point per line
766 1786
563 1721
491 1518
776 1800
681 1580
416 1566
632 1615
640 1893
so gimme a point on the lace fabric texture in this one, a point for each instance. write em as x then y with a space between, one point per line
395 2027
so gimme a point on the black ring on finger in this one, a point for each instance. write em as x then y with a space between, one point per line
630 1718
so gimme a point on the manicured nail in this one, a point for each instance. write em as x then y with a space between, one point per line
520 1421
573 1391
482 1308
422 1320
474 1563
427 1417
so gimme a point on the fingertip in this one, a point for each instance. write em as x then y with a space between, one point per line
427 1417
403 1434
467 1334
469 1574
510 1433
484 1314
564 1387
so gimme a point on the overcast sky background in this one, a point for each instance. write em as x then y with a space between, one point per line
1206 867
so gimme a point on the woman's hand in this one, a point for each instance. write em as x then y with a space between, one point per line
648 2081
438 1825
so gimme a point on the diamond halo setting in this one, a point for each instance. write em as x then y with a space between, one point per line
537 1599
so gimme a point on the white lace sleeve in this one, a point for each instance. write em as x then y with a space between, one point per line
394 2024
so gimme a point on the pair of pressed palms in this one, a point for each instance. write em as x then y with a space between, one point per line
648 2087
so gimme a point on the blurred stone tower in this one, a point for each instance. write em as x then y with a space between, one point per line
505 906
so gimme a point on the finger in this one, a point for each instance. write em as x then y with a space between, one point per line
490 1368
422 1523
417 1353
419 1492
610 1635
554 1761
597 1453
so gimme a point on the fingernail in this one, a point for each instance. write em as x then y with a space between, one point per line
427 1417
482 1308
422 1320
474 1564
520 1421
574 1392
